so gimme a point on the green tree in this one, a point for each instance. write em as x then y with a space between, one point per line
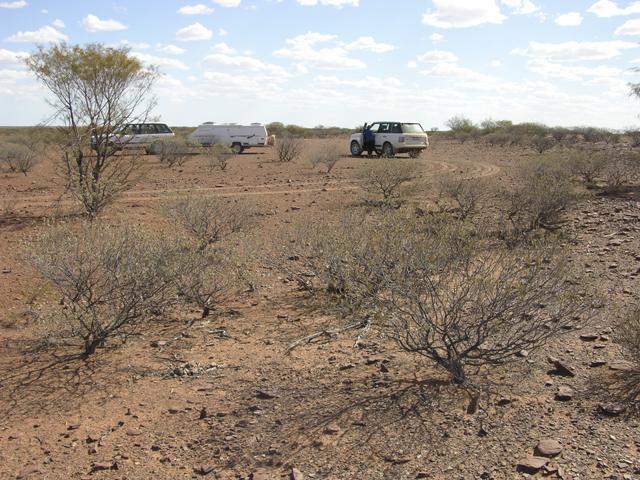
96 91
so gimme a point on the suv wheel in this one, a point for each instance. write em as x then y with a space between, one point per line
415 153
237 148
356 149
387 150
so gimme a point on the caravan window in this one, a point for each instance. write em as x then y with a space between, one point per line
162 128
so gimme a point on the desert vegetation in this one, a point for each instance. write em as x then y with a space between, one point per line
244 314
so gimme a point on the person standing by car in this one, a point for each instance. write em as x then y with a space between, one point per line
368 140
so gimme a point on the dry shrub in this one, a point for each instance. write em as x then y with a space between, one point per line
442 292
217 156
622 168
208 219
628 335
542 143
18 157
206 277
288 149
542 193
466 194
498 139
328 155
587 164
386 179
172 152
110 279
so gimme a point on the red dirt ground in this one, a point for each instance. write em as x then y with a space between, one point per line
328 410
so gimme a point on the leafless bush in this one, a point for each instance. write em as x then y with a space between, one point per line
587 164
628 335
110 279
621 169
208 219
541 195
206 277
443 293
328 155
172 152
475 308
217 156
288 149
466 194
18 157
387 178
498 139
542 143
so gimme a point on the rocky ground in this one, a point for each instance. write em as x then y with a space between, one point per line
221 398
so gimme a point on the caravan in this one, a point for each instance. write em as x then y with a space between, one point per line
238 137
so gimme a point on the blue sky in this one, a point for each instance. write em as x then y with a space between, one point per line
343 62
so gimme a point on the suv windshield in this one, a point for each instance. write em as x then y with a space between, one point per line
412 128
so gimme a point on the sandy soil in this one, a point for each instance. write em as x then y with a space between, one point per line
243 408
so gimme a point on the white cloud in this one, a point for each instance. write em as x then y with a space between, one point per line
570 72
43 35
170 49
438 56
330 3
452 70
369 43
303 49
463 13
608 9
136 45
9 56
227 3
12 76
575 51
521 7
222 32
246 63
13 5
194 32
496 63
571 19
630 27
160 61
436 37
223 48
92 23
199 9
58 23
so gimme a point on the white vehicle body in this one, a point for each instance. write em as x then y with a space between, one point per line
238 137
391 138
142 134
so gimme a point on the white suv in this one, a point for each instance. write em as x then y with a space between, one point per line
388 138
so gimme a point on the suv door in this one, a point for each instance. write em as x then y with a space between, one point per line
395 132
382 135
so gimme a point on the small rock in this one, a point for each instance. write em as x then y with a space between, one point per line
611 409
563 369
564 393
531 464
98 466
296 474
204 413
174 410
589 337
73 426
265 395
204 469
260 475
548 447
332 429
158 343
598 363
